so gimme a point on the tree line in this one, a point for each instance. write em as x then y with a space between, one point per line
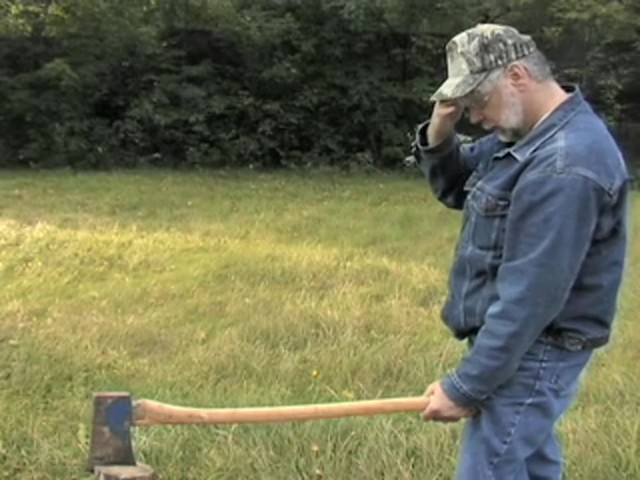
269 83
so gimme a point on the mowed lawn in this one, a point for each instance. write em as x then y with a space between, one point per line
249 289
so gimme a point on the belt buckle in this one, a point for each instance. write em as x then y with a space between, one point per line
573 343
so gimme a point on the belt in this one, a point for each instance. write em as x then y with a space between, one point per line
573 342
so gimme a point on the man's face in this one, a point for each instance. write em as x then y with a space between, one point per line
500 110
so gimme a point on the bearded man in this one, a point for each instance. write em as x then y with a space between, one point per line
534 285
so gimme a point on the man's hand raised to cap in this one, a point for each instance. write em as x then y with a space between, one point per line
445 115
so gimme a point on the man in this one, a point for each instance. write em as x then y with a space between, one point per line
539 262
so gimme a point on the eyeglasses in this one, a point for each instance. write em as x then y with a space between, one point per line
475 100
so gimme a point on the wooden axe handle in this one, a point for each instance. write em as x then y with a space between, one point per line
149 412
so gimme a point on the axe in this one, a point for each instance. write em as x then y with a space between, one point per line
115 413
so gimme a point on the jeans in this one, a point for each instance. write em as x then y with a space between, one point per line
513 437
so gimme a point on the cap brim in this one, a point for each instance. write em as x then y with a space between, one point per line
456 87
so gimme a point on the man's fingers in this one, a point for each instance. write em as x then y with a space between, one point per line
430 389
432 414
440 408
472 412
450 108
428 413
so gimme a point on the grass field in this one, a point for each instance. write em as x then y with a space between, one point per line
245 289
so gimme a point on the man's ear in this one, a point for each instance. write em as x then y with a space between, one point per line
518 76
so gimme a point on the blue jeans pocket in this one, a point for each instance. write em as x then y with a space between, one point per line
565 369
532 369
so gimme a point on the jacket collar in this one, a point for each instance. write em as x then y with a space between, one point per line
521 149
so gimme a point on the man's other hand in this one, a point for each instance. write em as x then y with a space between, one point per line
440 408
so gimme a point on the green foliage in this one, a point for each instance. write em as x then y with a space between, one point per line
270 83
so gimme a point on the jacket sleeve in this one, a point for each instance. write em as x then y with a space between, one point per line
448 165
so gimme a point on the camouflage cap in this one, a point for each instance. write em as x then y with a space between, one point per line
474 53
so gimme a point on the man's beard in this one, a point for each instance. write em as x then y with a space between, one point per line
511 128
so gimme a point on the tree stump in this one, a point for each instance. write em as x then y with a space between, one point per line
115 472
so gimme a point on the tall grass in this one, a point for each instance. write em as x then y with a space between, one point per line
246 289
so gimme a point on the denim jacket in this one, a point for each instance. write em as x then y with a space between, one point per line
543 239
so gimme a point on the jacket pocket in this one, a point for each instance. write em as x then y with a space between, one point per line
488 211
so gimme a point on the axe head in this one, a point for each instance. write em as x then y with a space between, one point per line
111 431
